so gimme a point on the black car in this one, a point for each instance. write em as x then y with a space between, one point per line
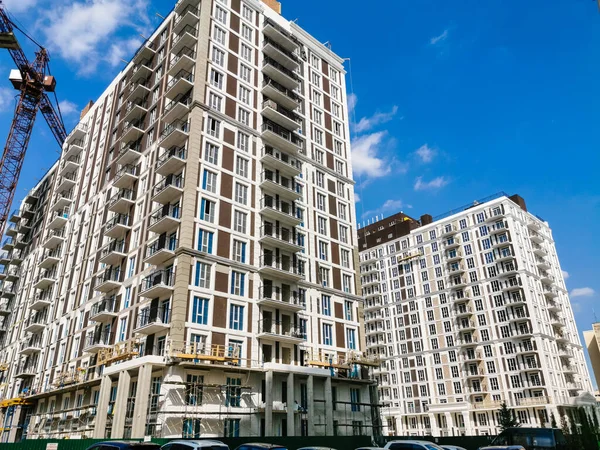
260 446
531 439
124 445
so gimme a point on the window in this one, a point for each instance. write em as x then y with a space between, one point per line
323 250
207 210
246 13
241 167
215 101
317 116
205 241
327 334
246 52
316 79
320 202
345 258
236 317
216 79
326 305
219 35
231 428
354 399
245 73
241 193
316 97
244 116
213 127
126 301
237 283
351 339
322 225
200 311
202 278
342 211
218 56
347 283
343 234
318 137
239 221
221 15
246 32
239 251
348 310
243 141
211 153
131 270
209 181
244 95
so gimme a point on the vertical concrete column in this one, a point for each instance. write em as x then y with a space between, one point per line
468 427
310 391
328 407
435 428
102 408
449 424
291 406
269 403
120 409
142 397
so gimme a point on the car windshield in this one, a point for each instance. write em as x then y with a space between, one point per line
432 447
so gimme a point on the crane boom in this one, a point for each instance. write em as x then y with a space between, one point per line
33 86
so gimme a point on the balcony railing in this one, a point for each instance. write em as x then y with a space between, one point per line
280 264
148 316
281 110
282 89
118 246
281 329
178 125
283 133
159 277
270 61
161 244
275 293
161 213
117 219
185 51
106 305
181 75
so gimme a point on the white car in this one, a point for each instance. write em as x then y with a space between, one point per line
412 445
452 447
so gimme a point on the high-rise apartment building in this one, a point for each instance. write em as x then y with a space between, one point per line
592 342
187 268
468 311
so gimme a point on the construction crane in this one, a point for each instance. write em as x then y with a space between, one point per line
34 81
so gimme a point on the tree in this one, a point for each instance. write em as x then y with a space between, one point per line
553 423
506 418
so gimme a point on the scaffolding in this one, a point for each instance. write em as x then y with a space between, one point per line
121 351
199 352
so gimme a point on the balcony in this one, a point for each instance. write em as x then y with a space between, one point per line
281 162
132 131
50 258
561 336
16 257
472 356
457 283
539 250
36 322
279 35
282 138
452 242
181 83
557 321
187 37
175 134
466 325
140 88
280 237
168 189
108 280
12 274
281 74
58 219
282 211
130 153
11 230
117 226
69 165
456 268
171 161
282 267
282 55
121 202
146 51
569 368
286 188
504 254
280 298
63 200
368 281
542 263
136 109
184 60
41 300
77 133
5 258
44 280
188 16
31 346
164 219
536 237
285 97
21 242
453 255
113 253
96 341
160 251
177 108
280 331
5 309
463 311
8 244
553 306
153 320
448 230
474 373
26 369
158 284
73 149
104 310
126 176
281 116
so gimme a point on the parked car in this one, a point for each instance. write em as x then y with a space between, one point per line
412 445
184 444
317 448
529 439
368 448
260 446
452 447
124 445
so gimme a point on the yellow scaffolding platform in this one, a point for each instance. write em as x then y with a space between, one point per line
119 352
208 353
17 401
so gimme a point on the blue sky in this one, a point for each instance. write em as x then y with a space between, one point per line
454 101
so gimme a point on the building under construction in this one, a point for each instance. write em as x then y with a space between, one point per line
188 267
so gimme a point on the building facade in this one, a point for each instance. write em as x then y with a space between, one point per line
468 311
592 342
189 267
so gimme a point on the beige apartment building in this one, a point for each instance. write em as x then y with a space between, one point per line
187 267
466 311
592 342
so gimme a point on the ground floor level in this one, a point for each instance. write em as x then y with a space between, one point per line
143 397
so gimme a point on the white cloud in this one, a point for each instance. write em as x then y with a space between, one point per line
356 198
352 101
7 99
80 31
582 292
439 38
123 51
67 108
565 274
17 6
426 153
365 160
389 206
436 183
367 123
